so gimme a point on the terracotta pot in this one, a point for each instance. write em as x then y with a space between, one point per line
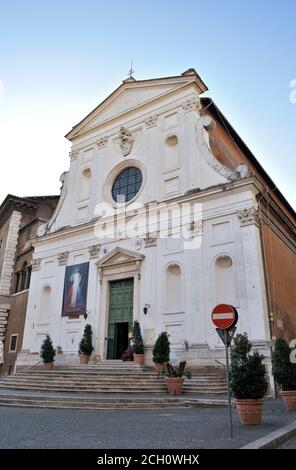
84 359
159 367
175 385
249 411
139 358
48 365
289 398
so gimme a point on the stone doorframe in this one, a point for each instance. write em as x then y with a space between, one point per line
118 264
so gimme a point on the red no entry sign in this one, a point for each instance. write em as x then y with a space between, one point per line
224 316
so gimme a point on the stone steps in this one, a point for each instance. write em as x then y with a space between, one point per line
110 375
107 378
103 379
118 390
85 403
89 404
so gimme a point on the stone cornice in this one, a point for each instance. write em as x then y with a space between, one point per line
198 196
125 113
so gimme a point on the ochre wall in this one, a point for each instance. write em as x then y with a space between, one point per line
280 259
16 322
281 276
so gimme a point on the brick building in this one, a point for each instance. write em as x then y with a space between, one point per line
19 221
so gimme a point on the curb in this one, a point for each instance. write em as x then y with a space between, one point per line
199 402
274 439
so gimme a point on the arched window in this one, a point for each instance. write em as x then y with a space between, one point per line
45 305
85 184
225 281
173 289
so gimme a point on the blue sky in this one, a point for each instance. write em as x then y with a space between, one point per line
59 59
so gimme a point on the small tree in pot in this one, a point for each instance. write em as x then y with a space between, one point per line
247 380
47 353
161 351
284 372
85 345
138 343
175 377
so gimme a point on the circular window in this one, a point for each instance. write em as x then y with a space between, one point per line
172 140
127 184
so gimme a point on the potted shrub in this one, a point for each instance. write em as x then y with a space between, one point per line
175 377
284 372
85 345
47 353
138 344
247 380
161 352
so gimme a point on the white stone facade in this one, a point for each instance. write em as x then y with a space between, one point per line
156 126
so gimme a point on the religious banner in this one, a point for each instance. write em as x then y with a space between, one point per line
75 290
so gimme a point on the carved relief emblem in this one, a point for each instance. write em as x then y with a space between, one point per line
126 141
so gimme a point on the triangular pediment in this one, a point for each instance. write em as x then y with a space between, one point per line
130 95
119 256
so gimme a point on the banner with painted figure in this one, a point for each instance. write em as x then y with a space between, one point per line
75 290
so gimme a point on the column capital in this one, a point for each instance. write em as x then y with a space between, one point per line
102 142
151 121
192 104
63 258
249 216
94 251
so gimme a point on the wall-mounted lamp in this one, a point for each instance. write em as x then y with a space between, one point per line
145 309
86 314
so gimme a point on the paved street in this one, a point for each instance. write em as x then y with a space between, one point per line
164 428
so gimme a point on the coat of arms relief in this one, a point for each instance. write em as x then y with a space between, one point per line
126 141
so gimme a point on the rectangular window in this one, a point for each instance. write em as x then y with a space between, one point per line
13 343
28 233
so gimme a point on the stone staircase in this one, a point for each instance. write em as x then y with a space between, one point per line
110 384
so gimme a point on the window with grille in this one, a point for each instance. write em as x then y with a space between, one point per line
127 184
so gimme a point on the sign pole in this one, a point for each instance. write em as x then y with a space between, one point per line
226 341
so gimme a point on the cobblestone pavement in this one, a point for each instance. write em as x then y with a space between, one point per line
183 428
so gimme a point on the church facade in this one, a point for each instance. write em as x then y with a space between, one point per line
163 213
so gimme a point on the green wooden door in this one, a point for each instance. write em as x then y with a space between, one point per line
120 311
